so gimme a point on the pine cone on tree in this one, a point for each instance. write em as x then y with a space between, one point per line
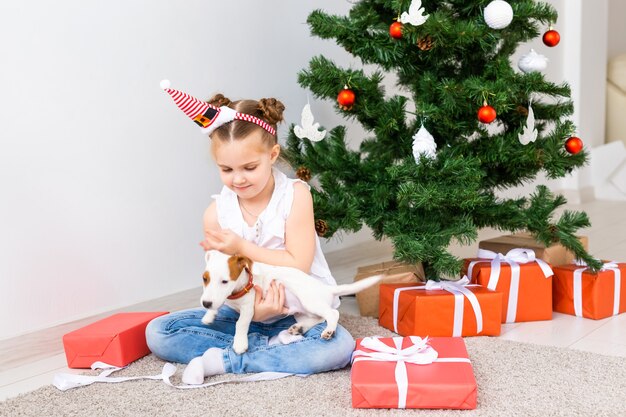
321 227
522 110
304 174
425 43
540 154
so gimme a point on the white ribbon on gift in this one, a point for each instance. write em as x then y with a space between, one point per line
578 285
514 257
459 290
420 353
64 381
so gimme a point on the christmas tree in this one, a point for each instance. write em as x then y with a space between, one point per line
466 125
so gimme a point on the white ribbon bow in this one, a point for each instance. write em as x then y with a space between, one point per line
514 257
420 353
459 290
68 381
578 287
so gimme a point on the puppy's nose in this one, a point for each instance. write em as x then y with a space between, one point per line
207 304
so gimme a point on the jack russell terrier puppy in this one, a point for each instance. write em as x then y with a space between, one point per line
231 280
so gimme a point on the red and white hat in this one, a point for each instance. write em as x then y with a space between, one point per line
209 117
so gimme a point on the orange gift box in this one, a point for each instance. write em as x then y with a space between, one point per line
422 312
116 340
448 383
531 300
590 295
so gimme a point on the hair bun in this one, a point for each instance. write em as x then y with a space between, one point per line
219 100
272 110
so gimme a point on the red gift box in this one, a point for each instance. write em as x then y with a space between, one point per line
397 375
456 310
117 340
579 292
524 281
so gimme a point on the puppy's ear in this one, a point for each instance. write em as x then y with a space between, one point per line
244 261
236 264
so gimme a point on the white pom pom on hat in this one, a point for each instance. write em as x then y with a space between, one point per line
165 84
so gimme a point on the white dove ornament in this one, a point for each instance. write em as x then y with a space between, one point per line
424 144
309 129
415 16
529 133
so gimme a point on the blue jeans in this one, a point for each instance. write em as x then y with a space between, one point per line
181 336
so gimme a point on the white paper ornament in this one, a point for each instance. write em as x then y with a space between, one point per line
529 133
498 14
532 61
415 16
424 144
309 129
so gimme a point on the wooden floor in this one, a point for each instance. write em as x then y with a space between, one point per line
30 361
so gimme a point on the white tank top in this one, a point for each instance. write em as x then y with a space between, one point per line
269 229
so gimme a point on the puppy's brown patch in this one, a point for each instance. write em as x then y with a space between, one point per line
206 278
236 264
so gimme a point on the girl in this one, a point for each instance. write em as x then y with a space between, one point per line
262 214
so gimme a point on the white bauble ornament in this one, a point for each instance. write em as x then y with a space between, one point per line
498 14
532 61
529 133
424 144
309 129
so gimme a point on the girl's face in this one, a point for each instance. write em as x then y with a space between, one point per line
245 165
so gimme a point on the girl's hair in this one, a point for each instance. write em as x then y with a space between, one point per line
267 109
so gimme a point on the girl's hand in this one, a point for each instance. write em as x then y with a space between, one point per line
225 241
206 245
272 305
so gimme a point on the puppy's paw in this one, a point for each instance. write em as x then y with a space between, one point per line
285 337
327 334
194 372
295 329
209 316
240 344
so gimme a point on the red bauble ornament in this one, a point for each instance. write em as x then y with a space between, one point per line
346 98
574 145
551 38
395 30
486 114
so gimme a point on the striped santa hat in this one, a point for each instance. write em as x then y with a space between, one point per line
209 117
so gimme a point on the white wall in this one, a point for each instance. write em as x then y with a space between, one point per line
103 182
617 29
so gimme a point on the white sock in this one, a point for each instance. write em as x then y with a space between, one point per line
194 372
210 363
213 362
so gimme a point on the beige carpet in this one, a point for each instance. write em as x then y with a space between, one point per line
514 379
